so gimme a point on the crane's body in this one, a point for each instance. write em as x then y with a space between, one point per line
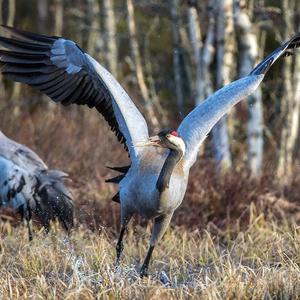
17 195
138 191
155 183
28 187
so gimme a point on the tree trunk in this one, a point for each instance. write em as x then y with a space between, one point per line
149 71
288 104
196 42
138 66
91 26
205 86
58 17
223 69
95 28
11 12
176 53
110 36
42 8
248 55
10 22
1 12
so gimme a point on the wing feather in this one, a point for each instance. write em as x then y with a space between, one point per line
60 69
198 123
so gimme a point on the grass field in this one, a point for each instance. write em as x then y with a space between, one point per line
261 262
232 238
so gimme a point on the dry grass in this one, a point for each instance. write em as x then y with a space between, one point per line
234 238
261 262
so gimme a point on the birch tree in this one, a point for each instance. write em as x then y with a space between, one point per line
91 26
58 17
10 22
196 42
289 103
110 36
42 8
138 66
248 55
1 11
11 12
224 59
176 53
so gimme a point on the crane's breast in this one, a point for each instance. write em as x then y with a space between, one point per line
138 192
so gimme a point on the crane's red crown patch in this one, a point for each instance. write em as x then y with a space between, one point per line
175 133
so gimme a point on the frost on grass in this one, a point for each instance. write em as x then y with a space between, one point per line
260 262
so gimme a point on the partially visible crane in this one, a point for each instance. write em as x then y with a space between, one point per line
154 184
28 187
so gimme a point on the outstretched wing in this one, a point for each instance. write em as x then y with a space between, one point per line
198 123
67 74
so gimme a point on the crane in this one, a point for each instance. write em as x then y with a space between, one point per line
154 185
28 187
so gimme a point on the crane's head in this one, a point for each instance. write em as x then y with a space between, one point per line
165 139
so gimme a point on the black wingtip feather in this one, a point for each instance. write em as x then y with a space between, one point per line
34 37
22 63
283 51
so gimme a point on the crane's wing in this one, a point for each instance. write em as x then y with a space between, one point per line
60 69
198 123
20 154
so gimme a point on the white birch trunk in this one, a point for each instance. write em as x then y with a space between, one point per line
58 17
176 53
248 55
196 42
110 36
288 104
10 22
205 87
94 28
138 66
11 12
224 61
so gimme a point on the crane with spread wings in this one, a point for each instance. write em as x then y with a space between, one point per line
154 184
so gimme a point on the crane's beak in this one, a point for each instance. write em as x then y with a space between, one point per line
152 141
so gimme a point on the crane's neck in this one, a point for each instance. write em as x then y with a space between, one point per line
168 167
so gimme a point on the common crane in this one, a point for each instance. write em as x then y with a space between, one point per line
28 187
154 184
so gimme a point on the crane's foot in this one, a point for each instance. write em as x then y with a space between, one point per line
30 237
144 271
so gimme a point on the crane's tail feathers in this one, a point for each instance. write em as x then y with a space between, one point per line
120 169
118 178
283 51
116 197
55 199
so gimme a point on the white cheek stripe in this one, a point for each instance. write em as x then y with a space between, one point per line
178 142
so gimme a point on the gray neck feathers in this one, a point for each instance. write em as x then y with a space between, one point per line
167 169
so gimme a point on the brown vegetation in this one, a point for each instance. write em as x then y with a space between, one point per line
233 238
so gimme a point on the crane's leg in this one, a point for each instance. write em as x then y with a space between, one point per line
161 224
28 217
120 247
